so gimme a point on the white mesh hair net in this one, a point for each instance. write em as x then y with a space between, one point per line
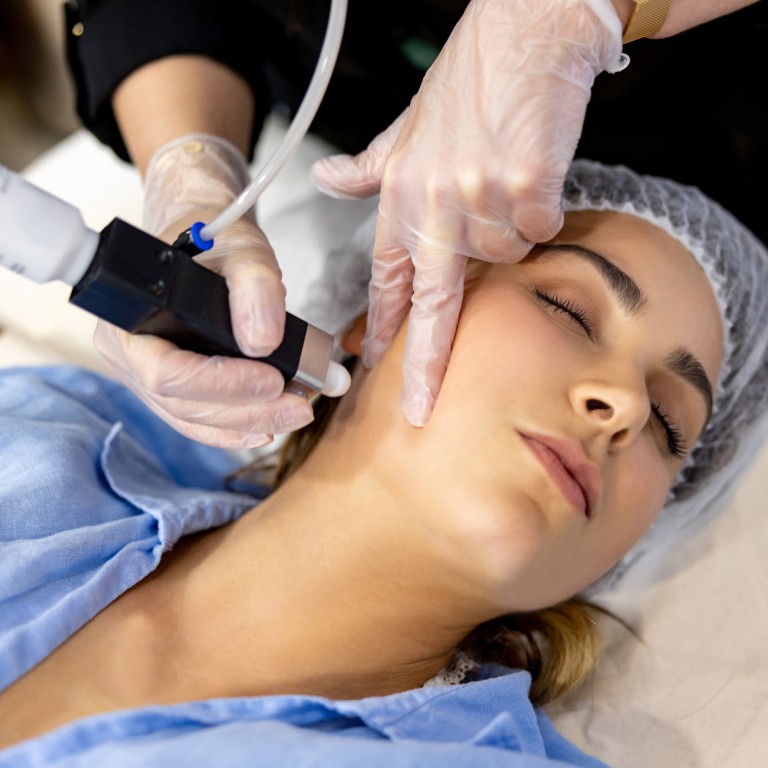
735 262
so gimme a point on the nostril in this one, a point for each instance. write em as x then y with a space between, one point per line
597 405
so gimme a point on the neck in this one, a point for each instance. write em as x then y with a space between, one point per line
326 588
334 585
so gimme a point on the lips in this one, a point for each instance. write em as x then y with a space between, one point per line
574 475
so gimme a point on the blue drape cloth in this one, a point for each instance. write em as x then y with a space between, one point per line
93 490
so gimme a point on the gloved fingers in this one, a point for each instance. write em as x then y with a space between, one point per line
438 290
283 414
220 438
176 373
161 369
226 402
397 261
389 297
256 300
538 155
494 240
535 183
507 206
243 256
357 175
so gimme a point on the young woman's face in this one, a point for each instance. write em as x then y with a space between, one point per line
579 380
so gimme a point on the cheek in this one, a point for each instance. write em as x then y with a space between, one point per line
487 517
503 349
638 489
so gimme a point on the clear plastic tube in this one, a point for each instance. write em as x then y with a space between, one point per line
297 129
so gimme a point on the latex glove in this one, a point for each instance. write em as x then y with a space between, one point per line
228 402
474 168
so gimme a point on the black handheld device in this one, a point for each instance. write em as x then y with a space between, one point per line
143 285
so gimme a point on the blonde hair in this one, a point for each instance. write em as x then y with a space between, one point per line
558 646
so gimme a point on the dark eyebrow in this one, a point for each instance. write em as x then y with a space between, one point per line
681 361
628 293
686 365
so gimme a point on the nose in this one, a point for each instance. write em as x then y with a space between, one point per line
618 411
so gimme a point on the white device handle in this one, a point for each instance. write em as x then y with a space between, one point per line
42 237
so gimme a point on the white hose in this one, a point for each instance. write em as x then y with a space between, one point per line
297 129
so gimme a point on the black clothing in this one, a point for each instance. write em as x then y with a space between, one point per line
273 44
693 107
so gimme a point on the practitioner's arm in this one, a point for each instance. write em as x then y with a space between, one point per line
187 122
178 95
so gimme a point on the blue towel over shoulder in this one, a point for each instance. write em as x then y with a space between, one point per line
93 490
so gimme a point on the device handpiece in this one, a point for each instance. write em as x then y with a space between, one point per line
143 285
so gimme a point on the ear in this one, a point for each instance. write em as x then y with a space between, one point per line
354 335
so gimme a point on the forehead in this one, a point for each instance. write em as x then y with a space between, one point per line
654 260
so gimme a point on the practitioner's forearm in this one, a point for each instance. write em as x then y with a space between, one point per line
177 95
685 14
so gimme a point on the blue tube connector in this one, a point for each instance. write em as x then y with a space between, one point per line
198 239
191 240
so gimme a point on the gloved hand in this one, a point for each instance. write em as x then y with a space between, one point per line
474 167
228 402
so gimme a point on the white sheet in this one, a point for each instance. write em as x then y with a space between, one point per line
690 690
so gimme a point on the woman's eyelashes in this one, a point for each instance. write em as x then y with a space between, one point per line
674 439
676 444
567 307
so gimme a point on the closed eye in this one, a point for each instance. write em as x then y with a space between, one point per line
676 444
567 307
